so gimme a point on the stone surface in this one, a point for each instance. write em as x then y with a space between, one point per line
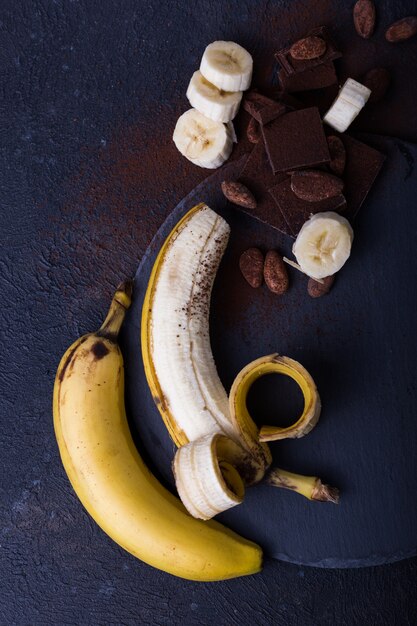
91 91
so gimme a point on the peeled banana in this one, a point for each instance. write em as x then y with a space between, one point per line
110 478
220 448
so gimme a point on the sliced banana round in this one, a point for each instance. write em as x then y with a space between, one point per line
218 105
201 140
227 65
323 244
206 477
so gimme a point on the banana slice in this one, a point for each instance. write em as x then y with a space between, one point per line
202 141
227 65
205 475
323 244
218 105
348 104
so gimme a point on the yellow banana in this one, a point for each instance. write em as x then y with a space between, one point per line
110 478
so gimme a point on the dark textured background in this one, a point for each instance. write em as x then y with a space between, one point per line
90 92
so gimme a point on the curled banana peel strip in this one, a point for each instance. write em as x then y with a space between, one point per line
273 364
220 448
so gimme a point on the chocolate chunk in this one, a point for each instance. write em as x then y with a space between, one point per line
317 77
402 30
251 265
378 81
308 48
315 185
363 164
258 177
320 98
316 289
297 211
296 140
263 109
337 154
238 194
364 18
275 273
253 131
291 65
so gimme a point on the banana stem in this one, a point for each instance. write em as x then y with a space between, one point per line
310 487
120 303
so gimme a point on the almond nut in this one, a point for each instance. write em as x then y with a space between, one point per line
308 48
364 18
251 264
238 194
402 30
316 289
275 273
315 185
337 154
253 131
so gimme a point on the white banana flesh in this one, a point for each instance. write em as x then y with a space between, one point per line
202 141
347 106
323 244
216 104
180 340
206 479
227 65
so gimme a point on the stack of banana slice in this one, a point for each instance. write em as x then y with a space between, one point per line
204 134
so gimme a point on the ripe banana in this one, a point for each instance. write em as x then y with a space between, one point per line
216 104
348 104
110 478
219 447
202 141
323 244
227 65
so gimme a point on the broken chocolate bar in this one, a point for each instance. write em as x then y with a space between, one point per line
317 77
297 211
296 140
291 65
258 177
263 109
363 164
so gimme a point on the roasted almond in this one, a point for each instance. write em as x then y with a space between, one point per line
253 131
315 185
337 154
251 264
275 273
402 30
316 289
238 194
378 81
308 48
364 18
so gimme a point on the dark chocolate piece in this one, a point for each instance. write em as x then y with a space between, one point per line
290 65
297 211
258 177
317 77
263 109
363 164
296 140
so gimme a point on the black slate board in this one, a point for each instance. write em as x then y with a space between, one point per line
359 345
